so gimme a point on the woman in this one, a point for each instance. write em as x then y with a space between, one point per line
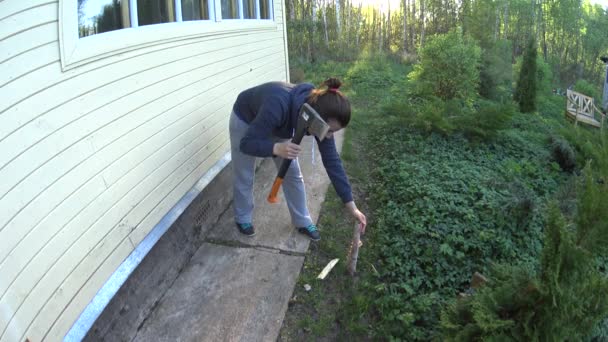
262 122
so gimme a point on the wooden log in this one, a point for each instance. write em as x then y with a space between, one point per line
353 253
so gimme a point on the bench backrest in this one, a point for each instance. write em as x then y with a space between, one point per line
580 104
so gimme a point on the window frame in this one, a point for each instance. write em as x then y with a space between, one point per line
76 51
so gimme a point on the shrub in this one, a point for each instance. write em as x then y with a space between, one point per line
544 75
525 92
448 68
296 75
586 88
496 74
485 122
563 154
564 301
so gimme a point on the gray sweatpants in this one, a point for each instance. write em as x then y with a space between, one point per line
243 167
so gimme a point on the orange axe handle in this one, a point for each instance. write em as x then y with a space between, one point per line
297 139
272 197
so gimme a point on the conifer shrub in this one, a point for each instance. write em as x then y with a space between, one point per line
563 154
525 92
485 120
562 301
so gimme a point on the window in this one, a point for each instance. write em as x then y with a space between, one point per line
195 10
99 16
92 30
155 12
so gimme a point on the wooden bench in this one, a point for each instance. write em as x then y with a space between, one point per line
580 108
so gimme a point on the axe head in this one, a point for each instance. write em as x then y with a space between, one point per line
312 121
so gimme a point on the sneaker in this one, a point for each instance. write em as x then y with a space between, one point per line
310 231
246 229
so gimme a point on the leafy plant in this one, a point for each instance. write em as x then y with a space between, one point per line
564 300
485 122
563 154
584 87
448 68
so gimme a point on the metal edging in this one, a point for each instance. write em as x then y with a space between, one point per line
90 314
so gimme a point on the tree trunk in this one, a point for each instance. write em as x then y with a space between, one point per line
533 25
338 23
324 12
292 9
388 28
358 28
506 20
405 38
422 23
412 25
497 24
380 38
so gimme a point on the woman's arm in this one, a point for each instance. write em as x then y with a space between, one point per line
359 216
337 175
258 139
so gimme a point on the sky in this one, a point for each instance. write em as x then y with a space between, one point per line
396 3
604 3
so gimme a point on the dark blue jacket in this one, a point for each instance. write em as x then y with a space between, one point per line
271 109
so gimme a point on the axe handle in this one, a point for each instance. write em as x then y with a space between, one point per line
274 191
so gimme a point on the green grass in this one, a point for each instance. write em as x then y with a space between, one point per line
439 208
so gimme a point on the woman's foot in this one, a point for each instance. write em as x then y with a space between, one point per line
245 229
310 231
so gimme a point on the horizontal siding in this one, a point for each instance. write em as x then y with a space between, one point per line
52 85
25 20
84 269
22 42
40 207
85 136
28 62
9 8
92 158
97 185
31 147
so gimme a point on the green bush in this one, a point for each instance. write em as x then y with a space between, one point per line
563 154
586 88
485 122
440 216
448 68
563 303
544 76
525 91
496 74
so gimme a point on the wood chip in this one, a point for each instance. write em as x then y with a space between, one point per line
327 269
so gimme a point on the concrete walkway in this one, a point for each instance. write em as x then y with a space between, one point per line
236 288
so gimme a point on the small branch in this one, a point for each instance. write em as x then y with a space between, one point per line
353 253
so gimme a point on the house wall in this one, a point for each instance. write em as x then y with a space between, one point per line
93 155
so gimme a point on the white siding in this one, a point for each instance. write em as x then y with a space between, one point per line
93 157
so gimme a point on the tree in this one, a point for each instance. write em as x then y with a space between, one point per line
525 92
448 68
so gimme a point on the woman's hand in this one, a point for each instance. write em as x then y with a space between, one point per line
359 216
287 150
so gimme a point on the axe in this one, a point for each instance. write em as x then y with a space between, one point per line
308 121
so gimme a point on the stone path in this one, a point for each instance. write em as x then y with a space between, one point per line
236 288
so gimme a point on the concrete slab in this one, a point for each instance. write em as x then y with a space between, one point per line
225 294
272 221
237 288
